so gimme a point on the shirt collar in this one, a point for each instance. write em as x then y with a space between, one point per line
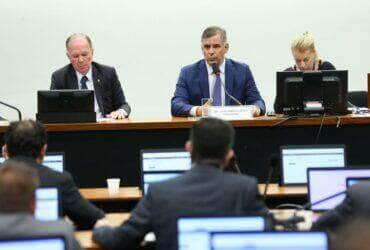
222 68
88 75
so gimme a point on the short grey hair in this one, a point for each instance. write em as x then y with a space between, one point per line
70 38
213 31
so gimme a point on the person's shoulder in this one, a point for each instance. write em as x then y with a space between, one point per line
62 71
193 66
326 65
102 67
240 178
49 175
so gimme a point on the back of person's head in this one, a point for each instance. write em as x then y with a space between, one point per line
25 138
353 235
304 42
211 139
18 183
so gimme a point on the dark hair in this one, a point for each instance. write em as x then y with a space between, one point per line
213 31
211 139
18 183
79 34
25 138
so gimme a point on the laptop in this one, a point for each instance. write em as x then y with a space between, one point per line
162 164
47 204
269 240
295 159
195 232
357 181
53 160
327 186
35 243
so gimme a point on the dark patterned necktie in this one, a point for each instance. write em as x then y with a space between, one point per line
83 81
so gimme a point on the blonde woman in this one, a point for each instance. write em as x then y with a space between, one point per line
305 55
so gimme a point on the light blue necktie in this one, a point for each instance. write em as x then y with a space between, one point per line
217 92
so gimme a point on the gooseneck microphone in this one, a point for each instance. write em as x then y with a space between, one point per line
14 108
216 71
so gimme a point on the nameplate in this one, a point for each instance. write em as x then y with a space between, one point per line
231 112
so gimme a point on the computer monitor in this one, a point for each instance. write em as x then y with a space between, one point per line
327 186
195 232
357 181
53 160
295 159
35 243
47 204
270 240
311 92
65 106
162 164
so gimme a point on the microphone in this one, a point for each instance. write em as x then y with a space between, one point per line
216 71
14 108
274 162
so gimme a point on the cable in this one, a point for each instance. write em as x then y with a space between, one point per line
283 121
320 128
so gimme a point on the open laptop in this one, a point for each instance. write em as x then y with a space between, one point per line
162 164
53 160
35 243
327 186
47 204
195 232
295 159
269 240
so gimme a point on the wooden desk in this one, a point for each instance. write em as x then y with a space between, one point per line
135 194
96 151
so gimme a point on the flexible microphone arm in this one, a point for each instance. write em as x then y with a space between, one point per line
14 108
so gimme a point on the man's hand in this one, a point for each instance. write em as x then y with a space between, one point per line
118 114
205 107
256 111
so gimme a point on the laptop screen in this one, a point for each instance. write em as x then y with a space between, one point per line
54 161
162 164
270 240
296 159
33 243
47 204
328 182
195 232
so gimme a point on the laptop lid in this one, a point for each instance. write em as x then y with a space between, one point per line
195 232
48 206
53 160
295 159
162 164
35 243
357 181
324 183
269 240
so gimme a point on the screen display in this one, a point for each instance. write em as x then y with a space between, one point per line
35 244
295 161
324 183
270 241
47 205
195 233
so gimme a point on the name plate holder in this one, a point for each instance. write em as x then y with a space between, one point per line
244 112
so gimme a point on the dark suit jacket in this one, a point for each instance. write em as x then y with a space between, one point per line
80 211
356 203
108 90
192 86
204 190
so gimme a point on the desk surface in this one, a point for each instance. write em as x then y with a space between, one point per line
134 193
185 122
115 219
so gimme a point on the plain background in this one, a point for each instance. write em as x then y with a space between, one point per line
149 41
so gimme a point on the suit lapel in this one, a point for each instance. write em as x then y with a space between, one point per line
229 80
72 81
203 78
98 87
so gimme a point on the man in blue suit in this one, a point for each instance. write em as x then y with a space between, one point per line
210 77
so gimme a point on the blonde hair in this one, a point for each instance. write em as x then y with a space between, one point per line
303 43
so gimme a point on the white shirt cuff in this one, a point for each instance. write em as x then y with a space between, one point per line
193 111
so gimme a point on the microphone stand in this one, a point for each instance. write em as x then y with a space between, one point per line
14 108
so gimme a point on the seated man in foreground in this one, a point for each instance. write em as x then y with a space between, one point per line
226 81
25 141
18 184
204 190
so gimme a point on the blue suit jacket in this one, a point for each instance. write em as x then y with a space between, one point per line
192 86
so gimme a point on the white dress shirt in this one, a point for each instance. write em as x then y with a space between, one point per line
211 84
